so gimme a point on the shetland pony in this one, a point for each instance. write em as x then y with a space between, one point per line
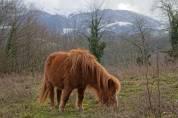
77 69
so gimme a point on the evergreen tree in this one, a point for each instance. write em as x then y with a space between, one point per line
96 46
174 35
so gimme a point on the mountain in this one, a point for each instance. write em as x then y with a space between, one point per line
115 21
53 22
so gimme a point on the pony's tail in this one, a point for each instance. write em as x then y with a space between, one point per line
44 92
45 87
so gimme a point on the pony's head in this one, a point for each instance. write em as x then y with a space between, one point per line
108 96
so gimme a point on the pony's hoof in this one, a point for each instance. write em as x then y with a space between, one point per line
80 109
51 108
61 110
56 106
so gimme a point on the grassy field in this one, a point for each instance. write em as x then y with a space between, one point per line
19 93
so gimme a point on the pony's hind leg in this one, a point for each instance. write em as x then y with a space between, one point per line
58 91
80 98
51 95
64 97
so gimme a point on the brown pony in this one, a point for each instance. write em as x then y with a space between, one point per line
77 69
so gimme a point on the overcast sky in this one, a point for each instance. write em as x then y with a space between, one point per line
68 6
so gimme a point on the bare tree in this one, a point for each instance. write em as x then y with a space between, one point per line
18 39
170 9
142 31
5 8
141 43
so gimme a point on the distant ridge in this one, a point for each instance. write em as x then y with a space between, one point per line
117 21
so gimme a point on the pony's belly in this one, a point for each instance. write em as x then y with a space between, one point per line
59 83
79 84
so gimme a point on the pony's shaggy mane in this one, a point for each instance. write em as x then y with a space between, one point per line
81 60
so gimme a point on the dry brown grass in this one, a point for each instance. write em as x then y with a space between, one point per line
16 90
18 98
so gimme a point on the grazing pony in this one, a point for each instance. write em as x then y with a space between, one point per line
77 69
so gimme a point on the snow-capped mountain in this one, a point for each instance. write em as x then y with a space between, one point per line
117 21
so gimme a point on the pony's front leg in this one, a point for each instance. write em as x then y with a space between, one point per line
64 98
80 98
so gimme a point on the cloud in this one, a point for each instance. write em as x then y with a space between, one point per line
126 6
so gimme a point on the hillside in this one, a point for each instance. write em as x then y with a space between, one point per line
117 21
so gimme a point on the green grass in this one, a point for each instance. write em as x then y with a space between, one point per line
35 110
18 99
